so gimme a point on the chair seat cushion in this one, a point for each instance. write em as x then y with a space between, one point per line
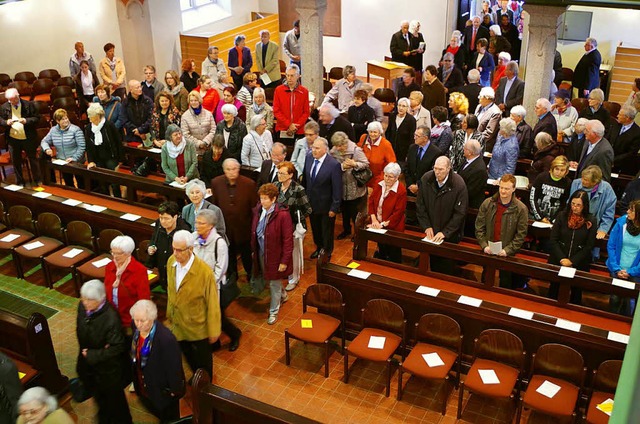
50 244
506 374
416 365
359 346
24 237
562 404
57 259
91 271
594 415
323 326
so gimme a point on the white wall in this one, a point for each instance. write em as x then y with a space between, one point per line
610 27
165 28
40 34
135 29
240 15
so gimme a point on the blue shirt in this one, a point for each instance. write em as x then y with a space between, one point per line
630 248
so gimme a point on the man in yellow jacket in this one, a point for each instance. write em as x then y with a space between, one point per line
193 308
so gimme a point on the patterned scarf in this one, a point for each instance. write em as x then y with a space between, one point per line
146 346
577 221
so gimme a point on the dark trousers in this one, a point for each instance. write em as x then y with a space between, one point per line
511 280
166 415
389 253
198 354
322 228
228 327
244 249
16 147
112 405
68 180
104 188
350 209
575 297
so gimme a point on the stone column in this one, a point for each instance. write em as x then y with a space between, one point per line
540 50
311 32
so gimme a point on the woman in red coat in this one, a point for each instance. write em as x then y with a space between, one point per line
387 207
272 244
125 280
209 95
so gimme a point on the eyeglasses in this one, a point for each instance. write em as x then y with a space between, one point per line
176 250
114 253
283 174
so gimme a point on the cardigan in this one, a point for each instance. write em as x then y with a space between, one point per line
134 286
170 167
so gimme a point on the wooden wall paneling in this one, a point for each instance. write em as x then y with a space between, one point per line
626 68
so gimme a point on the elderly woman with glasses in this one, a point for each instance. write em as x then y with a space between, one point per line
212 248
387 206
102 365
125 280
595 109
179 158
257 144
378 150
38 406
233 129
196 191
158 377
259 106
505 152
104 144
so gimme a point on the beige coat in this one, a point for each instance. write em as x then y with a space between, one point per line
197 128
105 71
272 63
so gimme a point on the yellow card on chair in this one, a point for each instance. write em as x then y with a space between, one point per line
21 375
353 265
306 323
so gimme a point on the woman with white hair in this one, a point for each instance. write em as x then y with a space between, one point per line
229 97
505 152
197 124
417 49
457 50
497 42
595 109
524 132
196 191
102 364
259 106
158 377
256 146
103 144
503 59
387 206
378 150
233 130
125 280
38 406
400 131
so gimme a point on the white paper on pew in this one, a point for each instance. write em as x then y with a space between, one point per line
72 253
13 187
153 224
433 359
41 194
489 377
567 272
59 162
540 224
471 301
568 325
492 181
433 242
177 184
265 79
618 337
522 182
376 342
548 389
573 169
95 208
429 291
9 238
155 150
603 405
623 283
33 245
71 202
377 230
495 246
487 154
614 175
521 313
102 262
130 217
359 274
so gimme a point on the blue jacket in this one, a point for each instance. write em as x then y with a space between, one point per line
614 248
68 143
113 104
504 157
488 65
602 205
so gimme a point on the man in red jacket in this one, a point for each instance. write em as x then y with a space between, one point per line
291 105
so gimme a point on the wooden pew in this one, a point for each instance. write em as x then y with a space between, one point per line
215 405
28 342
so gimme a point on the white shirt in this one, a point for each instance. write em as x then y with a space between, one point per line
181 271
320 161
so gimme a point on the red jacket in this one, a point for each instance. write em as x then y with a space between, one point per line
278 243
291 106
393 207
210 100
134 286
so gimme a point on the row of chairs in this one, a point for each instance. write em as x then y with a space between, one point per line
440 338
582 103
29 77
44 89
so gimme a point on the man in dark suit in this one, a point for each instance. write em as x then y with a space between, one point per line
474 173
471 36
546 121
268 170
625 140
323 182
421 156
400 45
331 122
472 90
596 151
586 76
510 90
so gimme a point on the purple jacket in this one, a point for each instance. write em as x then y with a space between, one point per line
247 61
278 242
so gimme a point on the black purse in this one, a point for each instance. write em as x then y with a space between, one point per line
79 391
362 176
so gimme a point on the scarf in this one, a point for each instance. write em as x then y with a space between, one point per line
632 228
176 90
120 270
257 109
577 221
439 129
146 346
453 50
111 63
97 134
175 151
197 110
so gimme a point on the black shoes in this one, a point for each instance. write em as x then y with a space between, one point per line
343 235
234 345
315 254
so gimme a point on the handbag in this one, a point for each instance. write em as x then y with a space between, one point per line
362 176
78 390
230 290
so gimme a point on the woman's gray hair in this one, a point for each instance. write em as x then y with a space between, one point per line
211 49
257 91
255 121
448 55
404 100
496 29
519 110
629 111
229 108
93 290
312 126
393 169
375 126
95 109
413 26
508 126
348 70
124 243
208 215
339 138
504 55
330 109
597 94
185 236
487 93
239 38
195 183
543 140
172 128
147 306
40 395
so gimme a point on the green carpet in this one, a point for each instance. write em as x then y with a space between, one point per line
24 308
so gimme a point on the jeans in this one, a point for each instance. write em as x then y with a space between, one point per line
275 287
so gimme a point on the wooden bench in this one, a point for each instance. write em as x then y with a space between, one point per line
28 342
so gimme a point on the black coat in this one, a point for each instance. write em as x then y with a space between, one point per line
237 132
414 169
360 117
471 92
401 137
265 174
459 59
163 243
625 148
547 124
443 209
586 76
525 139
136 114
340 124
28 112
475 177
574 150
111 147
209 169
601 115
576 245
399 45
405 91
10 390
454 80
515 96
